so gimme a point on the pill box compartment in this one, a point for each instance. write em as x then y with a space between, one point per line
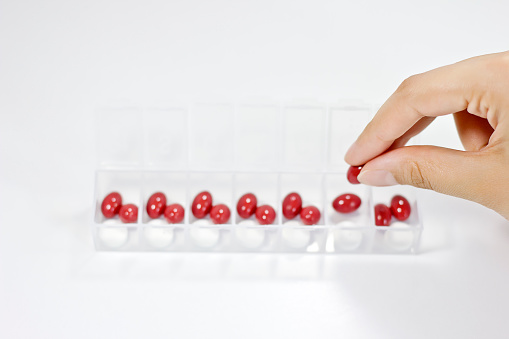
229 150
399 236
248 234
112 233
349 232
158 234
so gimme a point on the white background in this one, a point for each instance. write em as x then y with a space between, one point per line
60 59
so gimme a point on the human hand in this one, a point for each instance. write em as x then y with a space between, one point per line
476 91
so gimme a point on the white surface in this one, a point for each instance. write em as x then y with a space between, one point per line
60 59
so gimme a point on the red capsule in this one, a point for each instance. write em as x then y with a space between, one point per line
310 215
346 203
382 215
111 205
202 205
352 174
292 205
128 213
174 213
220 214
156 205
265 215
400 208
246 206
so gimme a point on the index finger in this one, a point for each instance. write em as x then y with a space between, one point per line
438 92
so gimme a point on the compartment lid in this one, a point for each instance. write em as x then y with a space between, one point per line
118 138
303 138
224 137
132 138
165 142
257 131
345 123
211 137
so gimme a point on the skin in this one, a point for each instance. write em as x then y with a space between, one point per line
476 91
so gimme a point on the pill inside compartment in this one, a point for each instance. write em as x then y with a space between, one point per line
401 236
248 233
295 236
111 234
305 141
347 232
158 233
201 233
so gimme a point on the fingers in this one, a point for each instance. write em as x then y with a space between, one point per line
413 131
431 94
474 131
440 169
476 91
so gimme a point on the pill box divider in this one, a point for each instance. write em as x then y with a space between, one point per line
148 157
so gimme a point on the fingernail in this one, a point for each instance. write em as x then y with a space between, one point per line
351 151
377 178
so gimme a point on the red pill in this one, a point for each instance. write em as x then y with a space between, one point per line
265 215
310 215
220 214
400 208
346 203
174 213
352 174
111 205
246 206
156 205
382 215
292 205
128 213
202 205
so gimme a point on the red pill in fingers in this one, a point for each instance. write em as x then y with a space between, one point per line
310 215
174 213
352 174
111 205
156 205
220 214
265 215
246 206
202 204
382 215
128 213
400 208
346 203
292 205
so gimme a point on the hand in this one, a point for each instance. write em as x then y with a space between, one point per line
476 91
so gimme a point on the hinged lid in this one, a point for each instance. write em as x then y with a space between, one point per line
227 137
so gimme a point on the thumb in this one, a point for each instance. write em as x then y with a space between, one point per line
458 173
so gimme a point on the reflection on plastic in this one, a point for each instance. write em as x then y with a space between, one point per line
294 237
158 237
113 237
250 237
347 239
202 236
399 236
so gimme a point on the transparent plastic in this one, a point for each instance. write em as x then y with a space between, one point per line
229 150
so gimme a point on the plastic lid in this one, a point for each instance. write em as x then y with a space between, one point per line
226 137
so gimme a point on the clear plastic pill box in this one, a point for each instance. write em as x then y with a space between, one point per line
229 150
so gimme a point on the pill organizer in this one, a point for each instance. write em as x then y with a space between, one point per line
232 149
